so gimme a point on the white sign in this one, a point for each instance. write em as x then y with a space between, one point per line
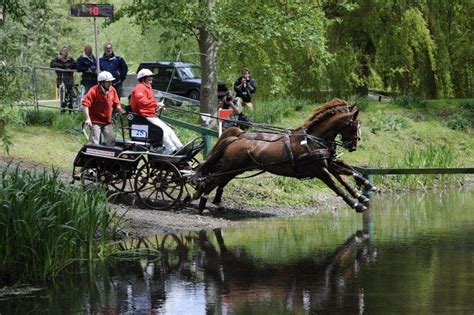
139 131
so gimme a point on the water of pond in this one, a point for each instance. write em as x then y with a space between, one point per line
412 254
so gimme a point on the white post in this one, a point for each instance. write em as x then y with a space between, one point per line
96 47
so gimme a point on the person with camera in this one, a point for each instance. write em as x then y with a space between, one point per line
244 87
230 101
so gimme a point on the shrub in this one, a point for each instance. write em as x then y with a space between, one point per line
40 118
459 122
362 104
467 104
379 121
410 101
270 112
67 122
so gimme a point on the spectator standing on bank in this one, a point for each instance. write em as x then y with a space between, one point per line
65 61
114 64
87 64
244 87
98 104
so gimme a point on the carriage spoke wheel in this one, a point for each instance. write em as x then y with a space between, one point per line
131 172
93 174
159 185
115 176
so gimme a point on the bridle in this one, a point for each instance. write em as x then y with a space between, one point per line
353 124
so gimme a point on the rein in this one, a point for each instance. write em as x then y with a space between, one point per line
330 144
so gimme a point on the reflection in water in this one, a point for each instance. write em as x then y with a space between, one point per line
400 261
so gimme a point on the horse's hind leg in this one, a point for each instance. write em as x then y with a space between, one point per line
218 197
325 176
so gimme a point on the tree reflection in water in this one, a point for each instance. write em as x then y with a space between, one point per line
197 272
231 278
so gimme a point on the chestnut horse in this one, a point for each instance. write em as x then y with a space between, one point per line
308 151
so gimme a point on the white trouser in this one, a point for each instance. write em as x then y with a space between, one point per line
170 140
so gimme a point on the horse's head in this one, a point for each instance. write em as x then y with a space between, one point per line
350 130
336 117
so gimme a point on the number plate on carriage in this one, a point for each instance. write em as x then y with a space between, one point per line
100 152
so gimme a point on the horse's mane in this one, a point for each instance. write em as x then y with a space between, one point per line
330 108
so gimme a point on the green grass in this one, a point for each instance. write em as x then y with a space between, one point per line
392 136
46 225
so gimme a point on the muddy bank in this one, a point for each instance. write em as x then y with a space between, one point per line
141 222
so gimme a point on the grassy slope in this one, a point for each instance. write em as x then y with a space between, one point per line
382 148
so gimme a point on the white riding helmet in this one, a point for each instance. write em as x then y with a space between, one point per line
105 76
144 73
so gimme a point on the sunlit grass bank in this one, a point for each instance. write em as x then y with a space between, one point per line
46 225
394 135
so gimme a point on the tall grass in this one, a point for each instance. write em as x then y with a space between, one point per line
62 122
271 112
46 225
427 156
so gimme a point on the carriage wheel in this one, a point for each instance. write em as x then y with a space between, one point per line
115 176
159 185
173 251
131 174
93 174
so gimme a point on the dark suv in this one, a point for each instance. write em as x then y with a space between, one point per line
178 78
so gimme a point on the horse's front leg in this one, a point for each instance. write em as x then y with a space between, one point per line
343 168
351 190
325 176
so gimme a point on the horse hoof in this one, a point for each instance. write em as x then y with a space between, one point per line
360 208
219 206
363 199
187 199
205 212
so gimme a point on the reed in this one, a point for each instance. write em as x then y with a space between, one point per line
45 225
430 155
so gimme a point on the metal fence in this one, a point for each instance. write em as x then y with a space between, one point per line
38 88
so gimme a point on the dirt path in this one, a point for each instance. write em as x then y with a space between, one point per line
141 222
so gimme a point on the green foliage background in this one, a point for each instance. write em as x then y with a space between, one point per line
293 48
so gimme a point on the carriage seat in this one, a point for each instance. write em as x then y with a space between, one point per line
141 131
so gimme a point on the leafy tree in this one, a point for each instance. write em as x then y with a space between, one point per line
406 46
285 42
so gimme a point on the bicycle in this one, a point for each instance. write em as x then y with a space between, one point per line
70 97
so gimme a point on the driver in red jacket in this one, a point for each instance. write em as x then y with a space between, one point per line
143 102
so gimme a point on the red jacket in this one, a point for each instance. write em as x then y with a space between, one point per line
101 105
142 100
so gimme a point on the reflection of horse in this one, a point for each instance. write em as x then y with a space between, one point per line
306 152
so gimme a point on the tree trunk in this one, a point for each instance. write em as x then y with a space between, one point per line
208 50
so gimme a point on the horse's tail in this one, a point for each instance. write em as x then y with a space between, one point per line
215 155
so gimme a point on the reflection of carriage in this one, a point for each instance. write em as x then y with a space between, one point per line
134 165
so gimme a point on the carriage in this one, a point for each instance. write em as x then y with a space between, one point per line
136 165
159 180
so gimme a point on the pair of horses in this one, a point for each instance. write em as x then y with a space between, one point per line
308 151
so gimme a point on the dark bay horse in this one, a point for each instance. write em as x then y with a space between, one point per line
308 151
